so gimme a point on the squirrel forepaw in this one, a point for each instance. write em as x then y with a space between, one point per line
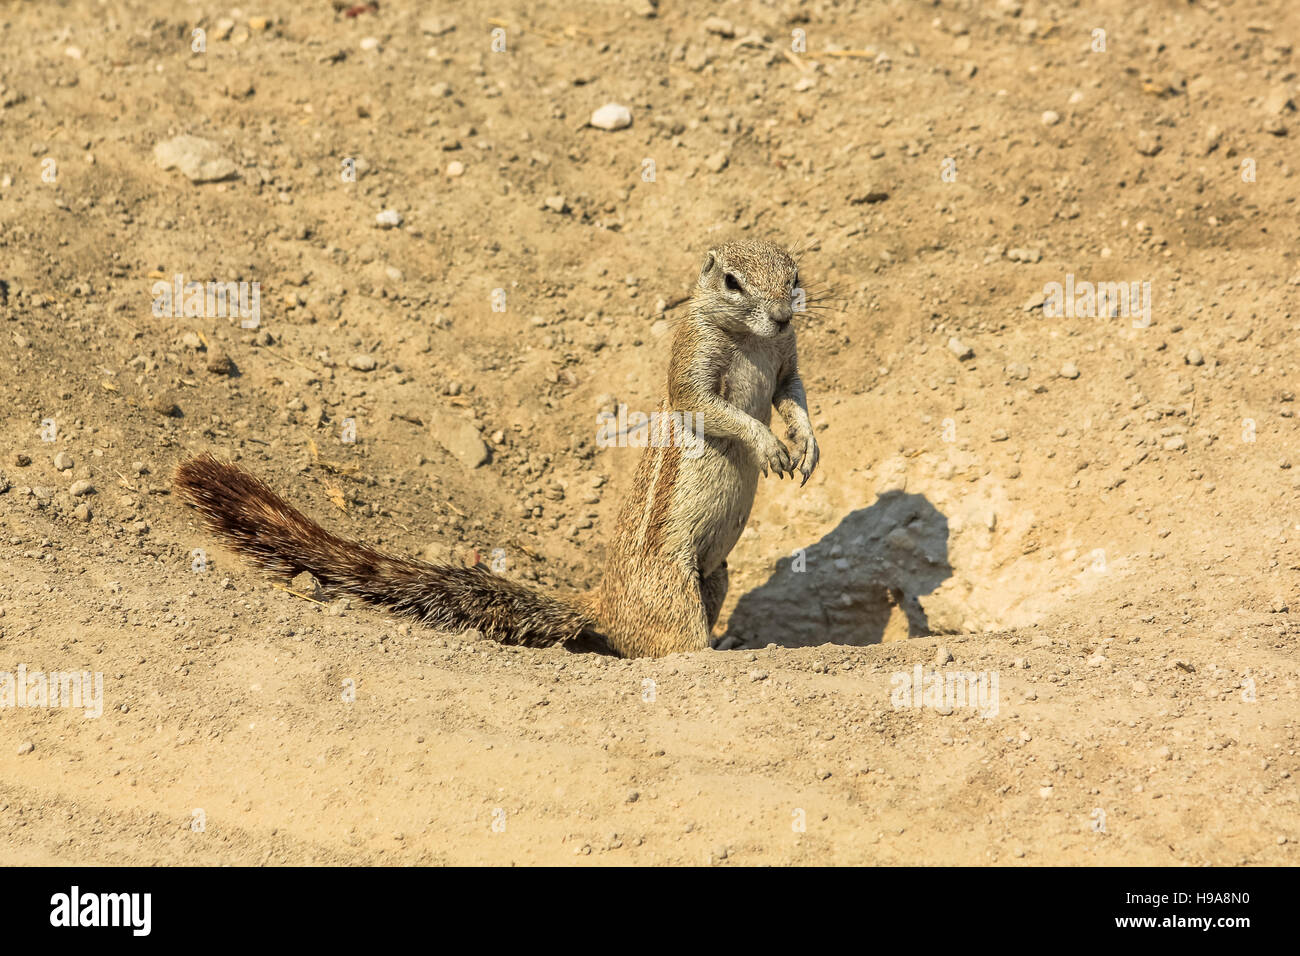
808 458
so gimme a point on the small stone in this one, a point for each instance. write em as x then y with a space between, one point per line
1069 370
370 43
1147 143
306 583
720 27
959 349
259 23
63 461
1017 371
219 363
1163 753
942 655
632 797
25 748
362 363
437 26
82 512
166 406
455 168
191 340
388 219
611 117
81 488
1051 118
1176 443
1194 357
757 675
199 160
556 204
459 437
717 162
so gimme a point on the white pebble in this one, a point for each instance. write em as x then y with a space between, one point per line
611 116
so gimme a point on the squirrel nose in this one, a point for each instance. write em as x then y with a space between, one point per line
780 312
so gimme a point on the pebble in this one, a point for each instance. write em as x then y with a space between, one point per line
757 675
219 363
1177 443
82 512
63 461
26 747
1147 143
362 363
1051 118
199 160
720 27
81 488
717 162
942 655
1194 357
165 406
959 349
370 43
611 117
306 583
1069 370
455 168
388 219
459 437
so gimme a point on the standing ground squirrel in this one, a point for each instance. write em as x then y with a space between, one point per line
733 359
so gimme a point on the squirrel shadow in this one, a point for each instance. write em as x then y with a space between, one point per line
844 588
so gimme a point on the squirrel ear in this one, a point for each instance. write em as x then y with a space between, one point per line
710 260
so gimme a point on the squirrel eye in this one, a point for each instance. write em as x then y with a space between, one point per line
733 283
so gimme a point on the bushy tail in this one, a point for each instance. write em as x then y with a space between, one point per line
255 521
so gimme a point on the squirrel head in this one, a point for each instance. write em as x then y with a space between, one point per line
749 285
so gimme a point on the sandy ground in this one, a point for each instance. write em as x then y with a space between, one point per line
1091 515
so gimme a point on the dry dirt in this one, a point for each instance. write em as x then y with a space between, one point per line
1098 513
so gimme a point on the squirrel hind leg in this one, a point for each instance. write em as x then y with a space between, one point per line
655 609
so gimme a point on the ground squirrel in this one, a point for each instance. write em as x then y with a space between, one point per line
733 359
